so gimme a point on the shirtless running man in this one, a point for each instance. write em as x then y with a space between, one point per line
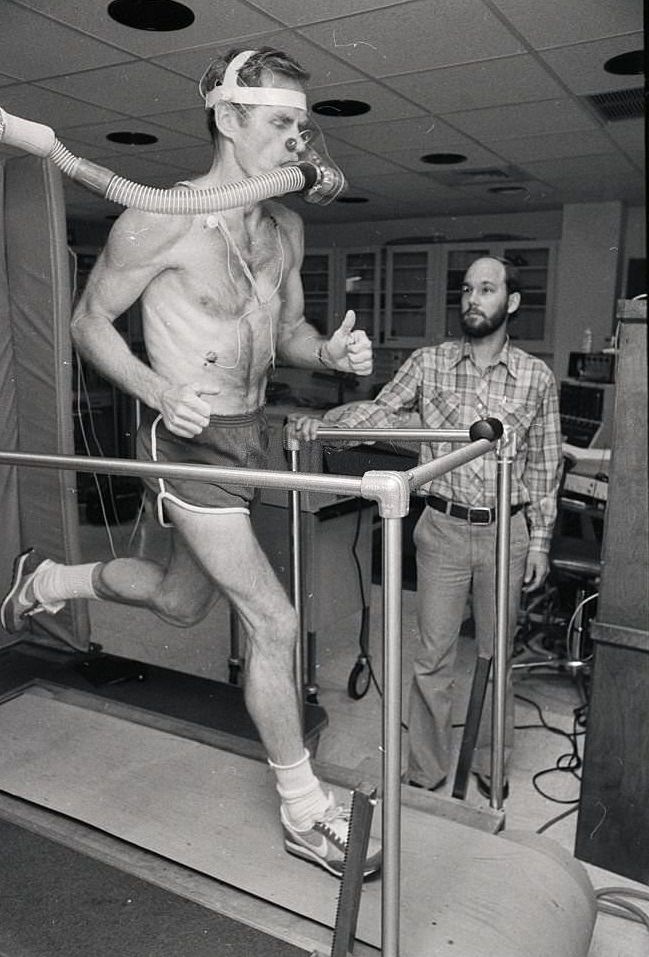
221 298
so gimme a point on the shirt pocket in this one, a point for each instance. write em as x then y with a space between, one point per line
518 416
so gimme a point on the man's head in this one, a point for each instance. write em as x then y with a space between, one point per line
490 294
244 82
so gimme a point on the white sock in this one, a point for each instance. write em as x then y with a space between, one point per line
53 583
303 798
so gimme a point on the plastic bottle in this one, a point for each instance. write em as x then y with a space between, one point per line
587 341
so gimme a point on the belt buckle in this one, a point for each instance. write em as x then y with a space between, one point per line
479 516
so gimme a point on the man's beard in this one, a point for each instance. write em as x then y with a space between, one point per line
486 326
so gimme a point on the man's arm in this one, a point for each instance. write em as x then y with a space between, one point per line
396 398
135 253
542 476
299 343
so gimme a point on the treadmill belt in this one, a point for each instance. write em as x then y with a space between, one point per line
57 902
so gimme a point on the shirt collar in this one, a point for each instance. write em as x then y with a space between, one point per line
506 355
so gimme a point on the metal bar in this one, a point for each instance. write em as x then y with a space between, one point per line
305 482
295 527
501 641
349 898
421 474
471 725
390 891
394 435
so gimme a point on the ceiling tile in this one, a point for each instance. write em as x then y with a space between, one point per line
368 164
32 102
324 69
213 23
554 145
476 156
193 122
297 12
446 33
499 122
594 177
475 85
421 134
385 105
581 66
95 135
137 89
630 135
557 22
32 47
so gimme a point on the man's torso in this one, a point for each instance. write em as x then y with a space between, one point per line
211 318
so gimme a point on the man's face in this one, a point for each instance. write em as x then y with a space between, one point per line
485 304
272 136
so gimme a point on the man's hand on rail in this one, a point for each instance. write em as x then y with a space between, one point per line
304 428
349 349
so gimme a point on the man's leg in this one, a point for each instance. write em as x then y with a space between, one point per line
484 613
443 582
230 554
179 591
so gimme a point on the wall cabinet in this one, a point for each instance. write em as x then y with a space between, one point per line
341 279
411 281
407 296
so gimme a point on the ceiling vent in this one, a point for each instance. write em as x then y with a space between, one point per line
618 104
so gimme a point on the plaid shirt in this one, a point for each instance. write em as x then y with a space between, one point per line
449 391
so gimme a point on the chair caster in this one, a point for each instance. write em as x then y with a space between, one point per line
358 683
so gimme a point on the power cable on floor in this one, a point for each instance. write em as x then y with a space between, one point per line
609 901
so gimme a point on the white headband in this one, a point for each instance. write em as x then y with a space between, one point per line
230 92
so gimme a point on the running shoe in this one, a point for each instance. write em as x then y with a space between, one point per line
325 842
15 609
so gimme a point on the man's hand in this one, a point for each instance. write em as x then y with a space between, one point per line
536 570
183 410
349 349
304 428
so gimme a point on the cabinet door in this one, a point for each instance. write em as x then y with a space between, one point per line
409 293
532 326
360 284
318 280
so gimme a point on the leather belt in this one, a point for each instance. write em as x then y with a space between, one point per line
475 514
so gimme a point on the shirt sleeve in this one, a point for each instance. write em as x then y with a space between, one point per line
543 467
397 397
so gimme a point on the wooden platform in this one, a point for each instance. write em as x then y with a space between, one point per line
463 891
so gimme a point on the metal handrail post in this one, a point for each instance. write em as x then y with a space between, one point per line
390 891
295 534
505 454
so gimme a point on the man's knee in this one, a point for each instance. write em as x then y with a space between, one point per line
278 628
179 610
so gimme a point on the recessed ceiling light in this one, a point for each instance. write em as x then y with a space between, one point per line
154 15
507 190
132 139
352 199
341 107
626 64
443 159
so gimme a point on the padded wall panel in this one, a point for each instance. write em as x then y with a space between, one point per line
39 294
9 521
